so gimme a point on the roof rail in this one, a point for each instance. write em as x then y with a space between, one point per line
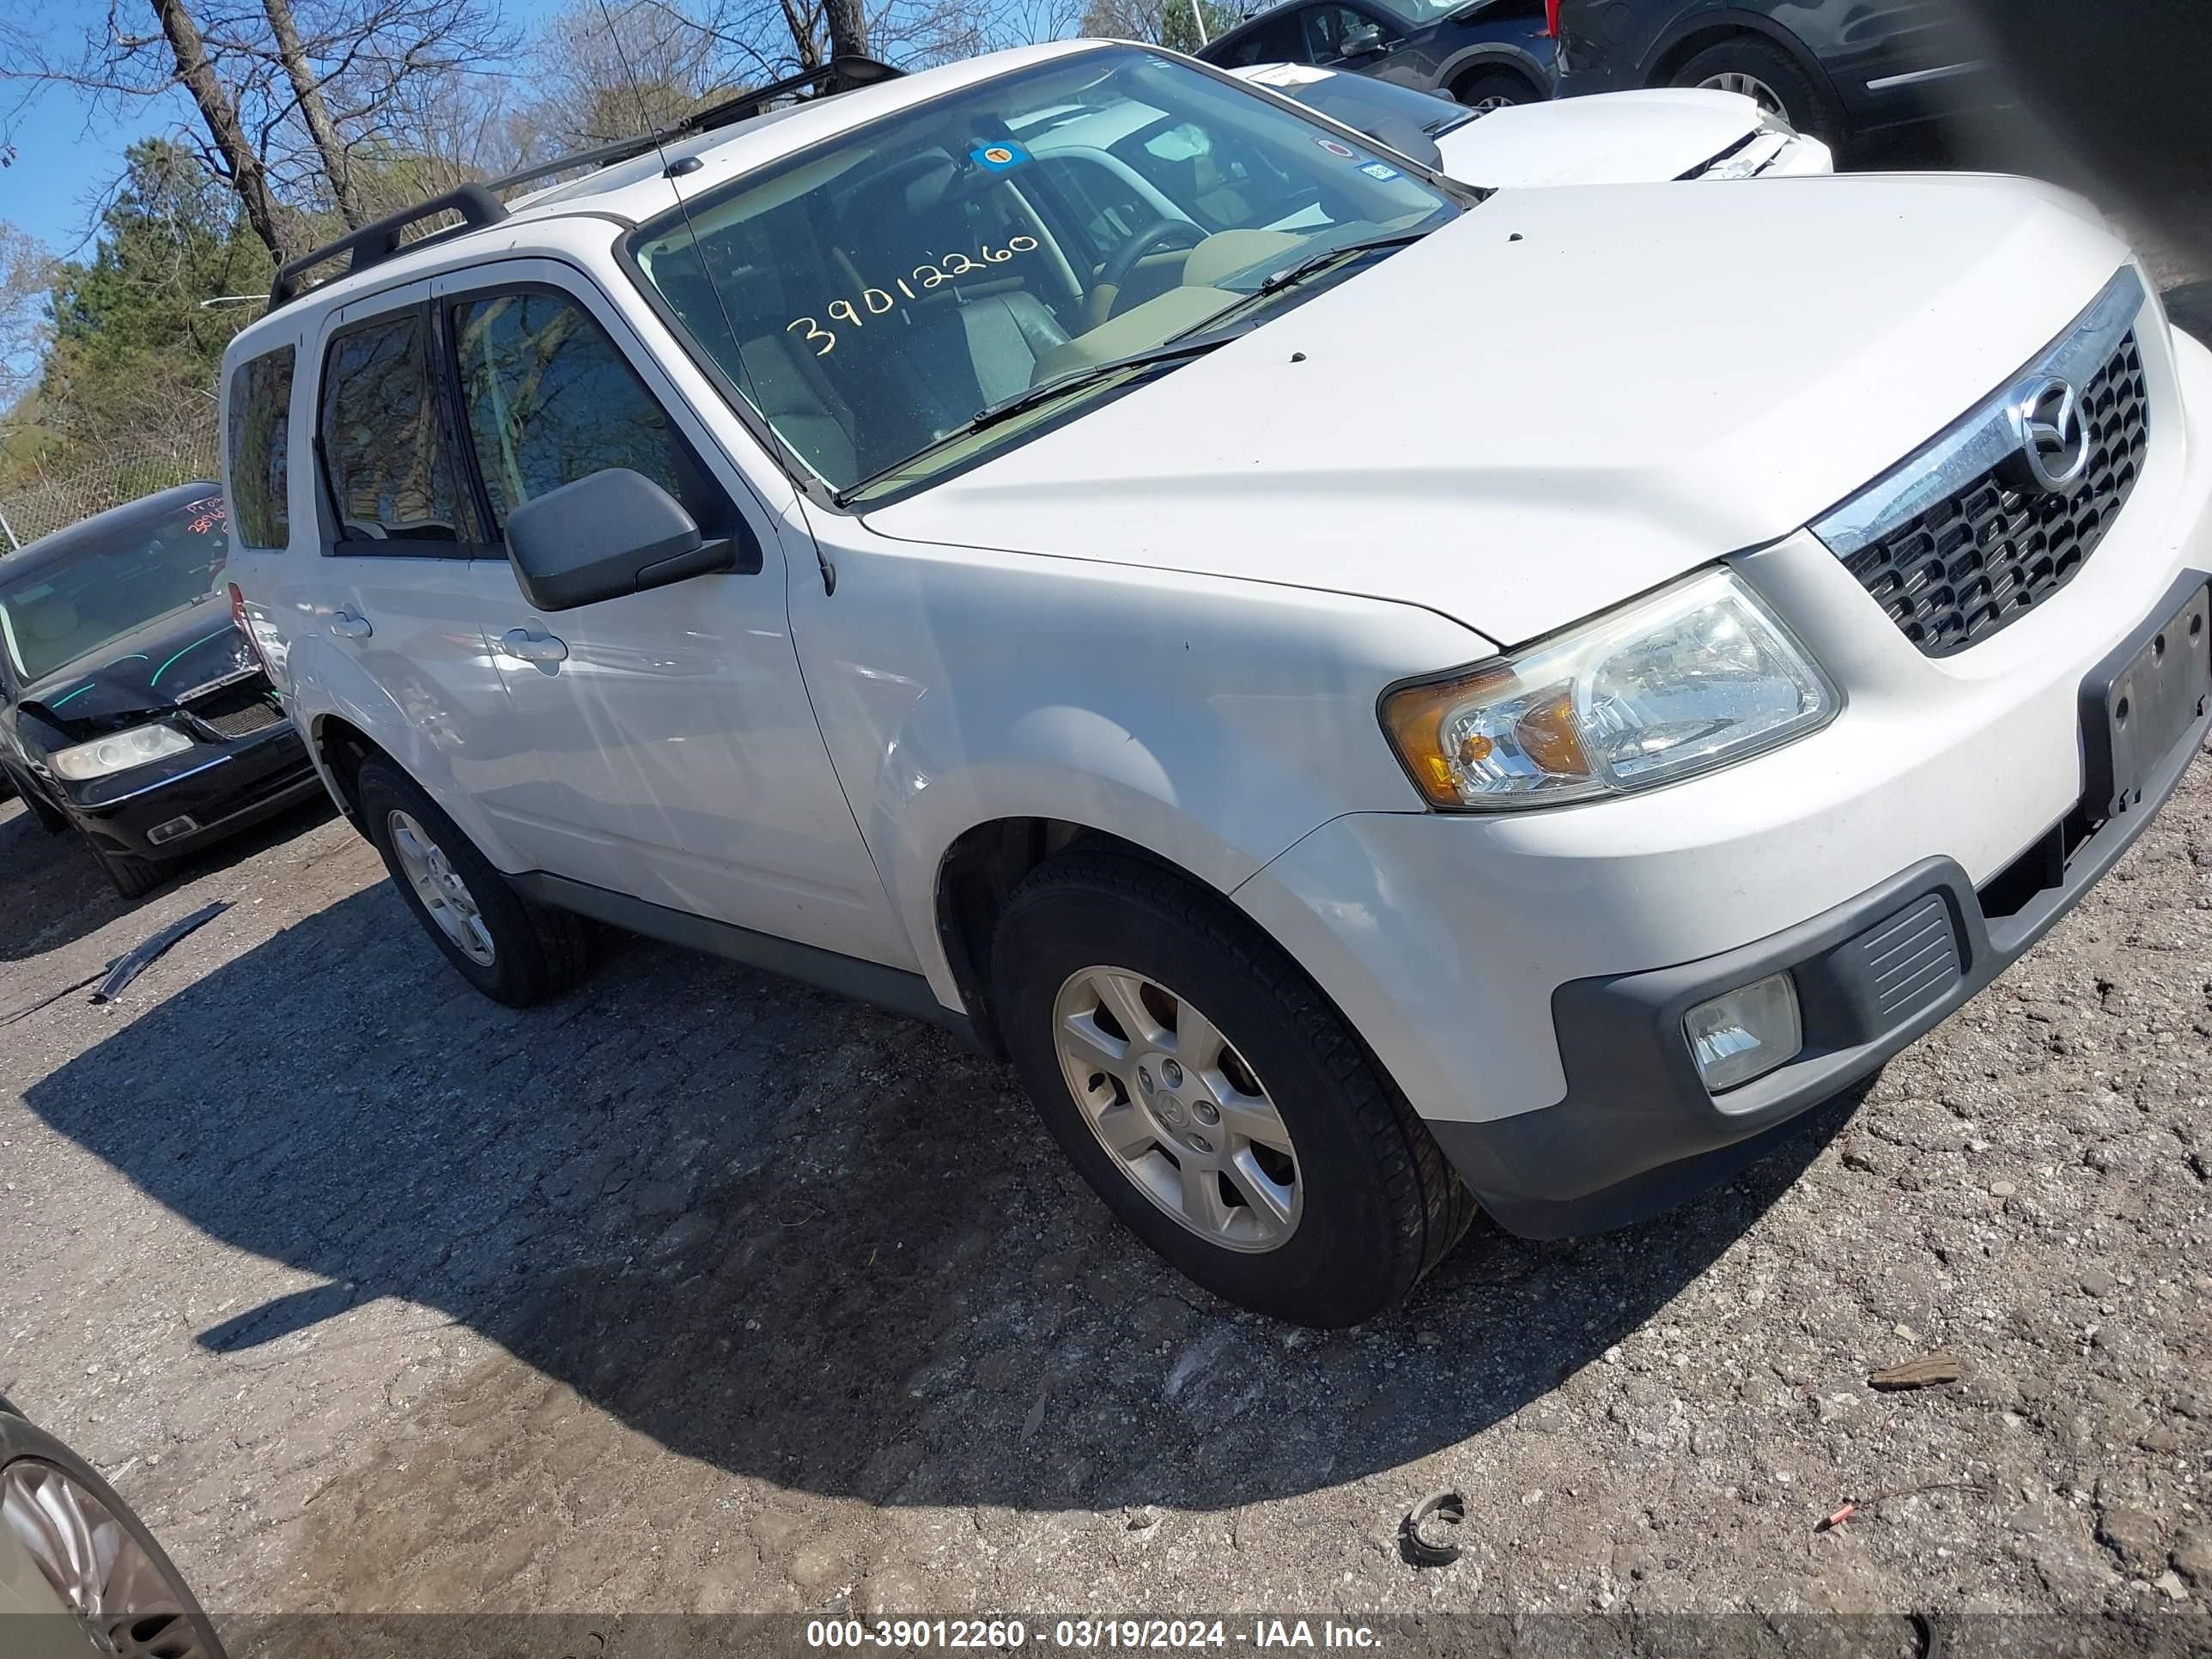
479 204
843 73
379 240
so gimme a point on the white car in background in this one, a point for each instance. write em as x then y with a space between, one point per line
1612 138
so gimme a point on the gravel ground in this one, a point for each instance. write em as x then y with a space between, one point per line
701 1292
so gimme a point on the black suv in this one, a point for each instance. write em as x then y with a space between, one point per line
1833 68
1487 54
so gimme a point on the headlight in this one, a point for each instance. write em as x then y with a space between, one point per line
1696 676
118 753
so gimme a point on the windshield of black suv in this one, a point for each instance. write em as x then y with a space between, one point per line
105 581
872 296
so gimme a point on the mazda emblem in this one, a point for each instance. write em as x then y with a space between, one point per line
2054 435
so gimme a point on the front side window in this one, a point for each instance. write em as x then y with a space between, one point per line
873 296
385 450
550 399
1327 29
83 588
258 447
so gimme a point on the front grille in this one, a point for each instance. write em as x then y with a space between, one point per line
1990 552
238 711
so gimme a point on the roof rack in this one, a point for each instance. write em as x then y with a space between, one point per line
479 204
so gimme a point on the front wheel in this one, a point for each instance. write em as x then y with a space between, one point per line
1491 90
130 875
1770 77
512 951
1213 1098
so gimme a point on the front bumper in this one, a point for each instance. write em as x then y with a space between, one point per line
1521 977
220 788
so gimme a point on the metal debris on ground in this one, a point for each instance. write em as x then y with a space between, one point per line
1925 1372
135 961
1429 1533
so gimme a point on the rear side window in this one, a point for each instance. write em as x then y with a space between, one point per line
259 448
550 399
386 455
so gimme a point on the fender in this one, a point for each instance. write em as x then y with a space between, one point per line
340 686
1747 22
1497 54
1209 721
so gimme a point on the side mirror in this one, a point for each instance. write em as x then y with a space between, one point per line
1367 37
1408 140
607 534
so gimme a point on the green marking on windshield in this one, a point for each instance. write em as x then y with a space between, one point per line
194 646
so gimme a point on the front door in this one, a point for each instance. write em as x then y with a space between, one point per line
669 749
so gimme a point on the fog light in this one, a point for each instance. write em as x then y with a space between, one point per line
171 830
1745 1034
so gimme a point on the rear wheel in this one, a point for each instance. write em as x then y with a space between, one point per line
1213 1098
1763 72
1488 90
515 953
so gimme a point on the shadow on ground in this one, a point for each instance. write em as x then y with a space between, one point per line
791 1236
56 895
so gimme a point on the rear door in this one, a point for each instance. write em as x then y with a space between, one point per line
662 744
399 546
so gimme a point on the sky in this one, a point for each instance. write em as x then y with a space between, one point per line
67 152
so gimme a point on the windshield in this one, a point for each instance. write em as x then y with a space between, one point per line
874 295
108 582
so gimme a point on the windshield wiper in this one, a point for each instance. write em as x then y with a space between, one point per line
1313 263
1044 392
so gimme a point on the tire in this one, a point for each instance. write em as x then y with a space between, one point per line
1376 1206
158 1613
523 954
130 875
1803 101
1489 90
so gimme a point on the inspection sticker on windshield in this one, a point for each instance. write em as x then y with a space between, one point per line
999 158
1382 170
1335 149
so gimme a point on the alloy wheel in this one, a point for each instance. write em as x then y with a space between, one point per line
130 1606
444 895
1181 1113
1749 86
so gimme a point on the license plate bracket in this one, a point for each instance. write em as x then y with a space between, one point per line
2138 702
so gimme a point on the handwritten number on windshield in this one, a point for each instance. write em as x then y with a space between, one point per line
878 301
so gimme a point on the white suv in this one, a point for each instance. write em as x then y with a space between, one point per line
1378 698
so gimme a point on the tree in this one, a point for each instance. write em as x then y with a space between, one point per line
135 352
1159 23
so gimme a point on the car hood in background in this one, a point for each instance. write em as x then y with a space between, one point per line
146 671
1562 398
1612 138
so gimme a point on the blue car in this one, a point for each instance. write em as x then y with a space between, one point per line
1489 54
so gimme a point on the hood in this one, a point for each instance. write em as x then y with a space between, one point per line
144 672
1562 398
1613 138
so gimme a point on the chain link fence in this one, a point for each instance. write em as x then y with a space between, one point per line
58 499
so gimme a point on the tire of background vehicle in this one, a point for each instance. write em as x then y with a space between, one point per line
127 873
1379 1206
1498 87
20 1440
1805 104
536 953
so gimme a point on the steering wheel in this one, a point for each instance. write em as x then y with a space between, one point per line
1160 233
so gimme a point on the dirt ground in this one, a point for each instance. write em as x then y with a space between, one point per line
698 1292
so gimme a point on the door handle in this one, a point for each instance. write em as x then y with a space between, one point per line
540 648
344 625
